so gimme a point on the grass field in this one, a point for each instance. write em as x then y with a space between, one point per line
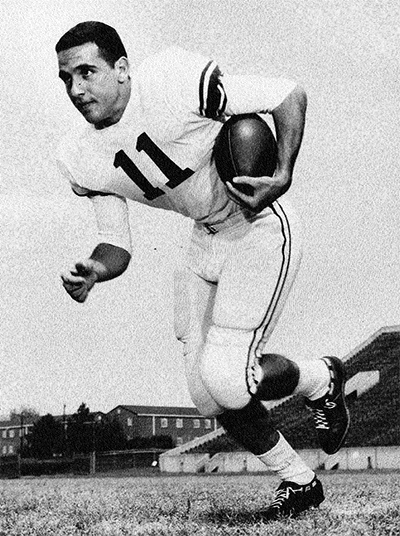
364 504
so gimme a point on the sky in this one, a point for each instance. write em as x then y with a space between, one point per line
119 347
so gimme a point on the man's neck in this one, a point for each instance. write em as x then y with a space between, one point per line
125 97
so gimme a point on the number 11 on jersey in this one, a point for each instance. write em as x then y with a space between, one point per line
172 171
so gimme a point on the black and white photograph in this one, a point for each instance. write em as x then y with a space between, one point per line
200 269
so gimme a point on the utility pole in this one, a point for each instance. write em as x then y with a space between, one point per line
21 434
64 433
93 447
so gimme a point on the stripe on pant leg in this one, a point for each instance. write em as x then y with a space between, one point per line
260 334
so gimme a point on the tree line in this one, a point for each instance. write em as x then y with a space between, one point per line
82 433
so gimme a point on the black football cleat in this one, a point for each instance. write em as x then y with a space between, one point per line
292 499
331 415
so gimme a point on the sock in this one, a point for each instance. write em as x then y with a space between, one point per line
251 427
286 463
314 378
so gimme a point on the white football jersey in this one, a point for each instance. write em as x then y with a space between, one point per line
160 152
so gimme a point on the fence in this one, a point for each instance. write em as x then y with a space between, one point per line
149 462
10 466
128 459
144 460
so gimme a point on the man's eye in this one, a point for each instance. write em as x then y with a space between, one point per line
86 73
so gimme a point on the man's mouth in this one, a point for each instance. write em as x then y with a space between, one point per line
83 106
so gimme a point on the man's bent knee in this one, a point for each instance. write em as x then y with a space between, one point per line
279 377
201 398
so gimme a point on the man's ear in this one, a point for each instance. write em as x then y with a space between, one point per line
122 67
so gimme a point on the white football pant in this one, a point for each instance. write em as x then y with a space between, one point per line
228 300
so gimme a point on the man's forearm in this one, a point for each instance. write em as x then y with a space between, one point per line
111 261
289 119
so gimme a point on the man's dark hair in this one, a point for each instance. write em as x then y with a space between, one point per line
104 36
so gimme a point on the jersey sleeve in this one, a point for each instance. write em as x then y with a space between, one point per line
112 218
190 81
212 96
111 211
66 153
183 81
76 188
255 94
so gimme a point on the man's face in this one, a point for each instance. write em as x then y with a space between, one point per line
94 87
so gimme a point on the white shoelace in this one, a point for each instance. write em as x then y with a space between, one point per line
280 497
320 419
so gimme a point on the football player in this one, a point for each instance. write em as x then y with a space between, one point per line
149 138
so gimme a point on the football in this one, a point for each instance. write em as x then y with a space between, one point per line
245 145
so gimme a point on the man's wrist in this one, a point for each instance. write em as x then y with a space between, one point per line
284 174
99 272
283 180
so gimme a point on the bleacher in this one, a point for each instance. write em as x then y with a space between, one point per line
375 412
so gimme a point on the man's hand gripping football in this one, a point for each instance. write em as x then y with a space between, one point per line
266 190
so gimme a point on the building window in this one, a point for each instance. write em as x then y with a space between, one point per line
11 449
12 433
164 423
4 434
207 423
4 449
129 421
179 423
179 440
119 411
196 423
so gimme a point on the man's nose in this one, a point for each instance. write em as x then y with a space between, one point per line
77 88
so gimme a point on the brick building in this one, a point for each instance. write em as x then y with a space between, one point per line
180 423
12 436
